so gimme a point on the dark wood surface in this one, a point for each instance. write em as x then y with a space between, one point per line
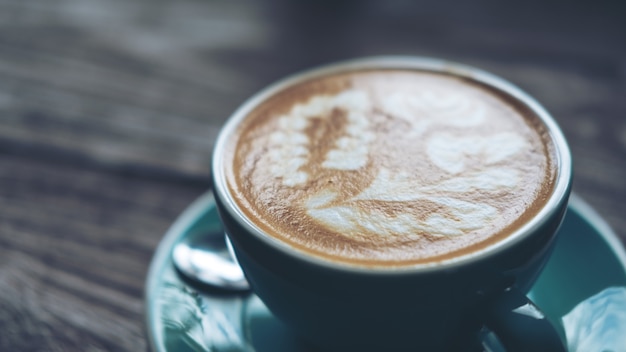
109 109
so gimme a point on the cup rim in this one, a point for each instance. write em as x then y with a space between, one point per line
558 196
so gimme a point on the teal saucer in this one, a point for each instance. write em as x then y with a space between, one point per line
181 317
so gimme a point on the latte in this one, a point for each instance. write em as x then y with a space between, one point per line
389 167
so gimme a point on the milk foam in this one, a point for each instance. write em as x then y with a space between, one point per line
434 107
353 172
462 216
451 152
288 146
288 152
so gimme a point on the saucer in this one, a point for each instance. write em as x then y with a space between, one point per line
181 317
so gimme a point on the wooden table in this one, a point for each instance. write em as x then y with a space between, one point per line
109 109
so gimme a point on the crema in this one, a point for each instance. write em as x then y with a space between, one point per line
390 167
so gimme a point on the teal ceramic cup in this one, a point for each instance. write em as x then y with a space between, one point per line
425 307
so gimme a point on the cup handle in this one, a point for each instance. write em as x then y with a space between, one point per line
520 325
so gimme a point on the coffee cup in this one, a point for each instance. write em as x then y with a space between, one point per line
395 203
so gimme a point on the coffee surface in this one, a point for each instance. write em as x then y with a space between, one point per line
390 167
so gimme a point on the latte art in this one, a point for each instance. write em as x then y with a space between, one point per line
450 152
434 107
288 147
389 167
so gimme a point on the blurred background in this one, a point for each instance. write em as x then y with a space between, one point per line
109 110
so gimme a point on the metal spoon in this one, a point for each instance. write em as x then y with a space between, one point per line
207 258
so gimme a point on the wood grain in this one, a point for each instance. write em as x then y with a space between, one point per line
109 110
74 250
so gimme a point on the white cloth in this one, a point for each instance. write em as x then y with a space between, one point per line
598 324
